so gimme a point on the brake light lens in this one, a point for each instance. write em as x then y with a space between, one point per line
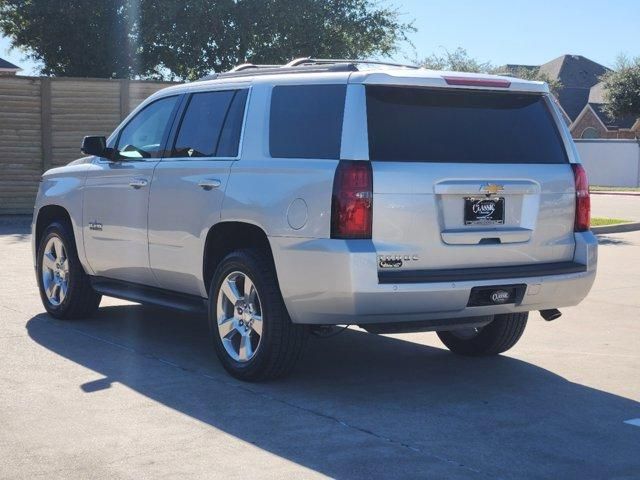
352 200
477 82
583 199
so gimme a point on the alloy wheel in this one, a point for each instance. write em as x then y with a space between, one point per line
55 271
239 316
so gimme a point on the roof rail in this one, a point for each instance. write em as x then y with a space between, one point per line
354 61
245 66
302 65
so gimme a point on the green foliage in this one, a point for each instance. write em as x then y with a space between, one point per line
460 61
457 61
535 74
73 37
622 88
190 38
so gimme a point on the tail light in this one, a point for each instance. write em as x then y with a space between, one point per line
583 200
352 200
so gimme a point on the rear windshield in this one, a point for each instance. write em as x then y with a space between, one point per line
426 125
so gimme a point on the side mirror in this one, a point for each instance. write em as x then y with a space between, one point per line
94 146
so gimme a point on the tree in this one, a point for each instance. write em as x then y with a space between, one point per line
460 61
457 61
190 38
71 37
534 74
622 88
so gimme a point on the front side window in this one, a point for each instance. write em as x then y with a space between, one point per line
306 121
142 137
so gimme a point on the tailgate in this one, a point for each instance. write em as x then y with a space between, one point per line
468 179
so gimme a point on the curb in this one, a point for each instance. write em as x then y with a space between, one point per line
628 194
618 228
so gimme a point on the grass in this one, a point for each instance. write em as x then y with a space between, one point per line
602 221
601 188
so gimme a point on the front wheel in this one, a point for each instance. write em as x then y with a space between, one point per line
65 289
494 338
252 333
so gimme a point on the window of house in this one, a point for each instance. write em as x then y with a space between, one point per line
143 136
590 132
306 121
211 125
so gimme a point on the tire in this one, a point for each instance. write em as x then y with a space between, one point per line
492 339
250 350
78 299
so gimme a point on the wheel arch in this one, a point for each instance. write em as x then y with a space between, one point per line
48 214
224 237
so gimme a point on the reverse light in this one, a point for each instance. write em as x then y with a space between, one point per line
583 199
352 200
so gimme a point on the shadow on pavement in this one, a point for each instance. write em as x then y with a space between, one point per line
604 239
395 404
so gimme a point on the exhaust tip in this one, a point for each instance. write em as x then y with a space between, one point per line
551 314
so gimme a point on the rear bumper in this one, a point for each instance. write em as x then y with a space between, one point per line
337 282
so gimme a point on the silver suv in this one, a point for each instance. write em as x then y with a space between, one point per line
287 200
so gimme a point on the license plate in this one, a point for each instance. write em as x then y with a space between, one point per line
483 211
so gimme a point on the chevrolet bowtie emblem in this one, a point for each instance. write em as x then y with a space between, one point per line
491 188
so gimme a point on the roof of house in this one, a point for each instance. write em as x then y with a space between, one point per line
577 75
597 103
4 65
574 71
573 100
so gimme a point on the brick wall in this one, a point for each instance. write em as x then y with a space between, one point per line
590 120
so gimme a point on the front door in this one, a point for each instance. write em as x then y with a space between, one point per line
116 197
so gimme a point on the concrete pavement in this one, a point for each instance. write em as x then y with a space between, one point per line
626 207
137 392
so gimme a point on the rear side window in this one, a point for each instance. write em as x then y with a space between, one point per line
211 125
426 125
306 121
230 135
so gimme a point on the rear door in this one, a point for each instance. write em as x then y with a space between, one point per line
189 184
468 178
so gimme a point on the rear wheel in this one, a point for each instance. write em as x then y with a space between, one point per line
253 335
65 289
494 338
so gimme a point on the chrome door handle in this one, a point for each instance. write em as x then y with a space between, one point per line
209 183
138 182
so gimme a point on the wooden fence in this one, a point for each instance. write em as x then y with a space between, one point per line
43 120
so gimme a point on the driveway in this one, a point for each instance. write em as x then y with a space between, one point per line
137 392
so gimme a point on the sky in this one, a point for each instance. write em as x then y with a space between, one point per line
501 31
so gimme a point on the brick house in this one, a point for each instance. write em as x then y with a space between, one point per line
593 122
581 98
